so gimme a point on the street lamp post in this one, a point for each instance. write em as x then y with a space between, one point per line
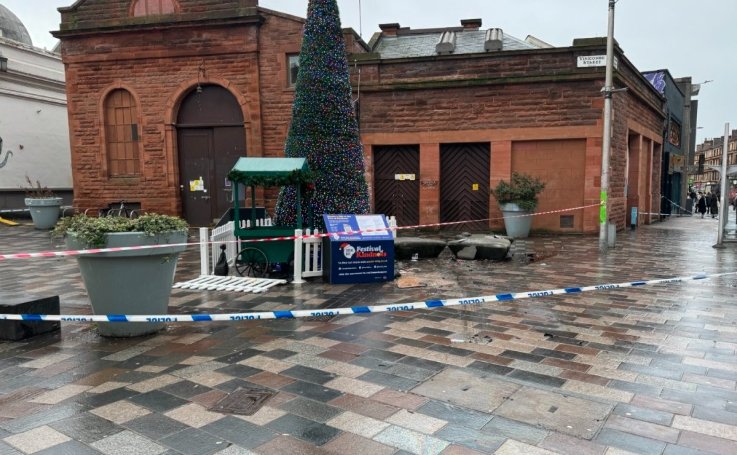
724 213
607 135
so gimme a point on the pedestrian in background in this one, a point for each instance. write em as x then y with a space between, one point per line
714 205
708 202
701 204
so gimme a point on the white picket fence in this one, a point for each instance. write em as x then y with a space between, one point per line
223 235
307 251
308 254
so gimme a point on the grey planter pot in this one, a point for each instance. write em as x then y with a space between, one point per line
44 211
517 226
130 282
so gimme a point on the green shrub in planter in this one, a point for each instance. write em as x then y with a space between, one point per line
134 282
91 231
522 190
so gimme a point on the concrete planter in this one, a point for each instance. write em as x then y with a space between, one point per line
44 211
130 282
516 225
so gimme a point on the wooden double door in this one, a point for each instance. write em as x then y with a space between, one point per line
397 182
464 184
210 139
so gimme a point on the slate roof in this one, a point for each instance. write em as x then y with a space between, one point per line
422 44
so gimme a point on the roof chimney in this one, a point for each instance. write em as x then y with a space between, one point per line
471 24
494 40
446 43
389 29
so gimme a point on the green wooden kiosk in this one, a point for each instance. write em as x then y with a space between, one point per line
256 258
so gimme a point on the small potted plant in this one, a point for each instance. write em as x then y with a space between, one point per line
518 200
127 282
43 204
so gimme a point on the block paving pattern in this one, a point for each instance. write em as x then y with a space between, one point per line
649 370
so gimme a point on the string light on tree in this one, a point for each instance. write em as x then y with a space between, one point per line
324 128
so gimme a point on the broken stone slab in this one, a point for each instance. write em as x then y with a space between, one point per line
406 247
27 304
479 247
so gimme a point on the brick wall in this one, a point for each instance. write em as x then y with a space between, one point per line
498 106
160 66
505 99
90 14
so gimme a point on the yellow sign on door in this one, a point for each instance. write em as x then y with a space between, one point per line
475 187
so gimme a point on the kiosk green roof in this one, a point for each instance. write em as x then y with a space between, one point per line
270 171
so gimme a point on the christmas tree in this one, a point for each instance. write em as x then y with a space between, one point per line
324 128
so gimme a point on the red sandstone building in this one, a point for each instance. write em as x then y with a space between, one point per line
163 92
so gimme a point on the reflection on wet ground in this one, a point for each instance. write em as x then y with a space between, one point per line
636 370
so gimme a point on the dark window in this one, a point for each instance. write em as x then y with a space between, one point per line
566 221
121 134
293 64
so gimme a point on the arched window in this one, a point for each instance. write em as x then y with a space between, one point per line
154 7
121 134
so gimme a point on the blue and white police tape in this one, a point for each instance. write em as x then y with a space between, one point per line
428 304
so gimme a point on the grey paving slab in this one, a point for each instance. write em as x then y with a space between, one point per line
715 415
645 414
310 409
555 411
240 432
456 415
45 417
69 448
158 401
307 430
464 389
473 439
680 450
389 380
313 391
411 441
5 449
155 426
128 443
633 443
194 441
86 427
308 374
518 431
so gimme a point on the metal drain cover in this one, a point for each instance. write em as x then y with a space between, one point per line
243 401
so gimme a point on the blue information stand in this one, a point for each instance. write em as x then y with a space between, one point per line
359 249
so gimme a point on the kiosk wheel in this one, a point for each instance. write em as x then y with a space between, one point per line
252 262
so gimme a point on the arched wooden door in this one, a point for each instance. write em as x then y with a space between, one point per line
210 138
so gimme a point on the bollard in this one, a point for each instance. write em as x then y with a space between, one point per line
612 235
298 257
633 218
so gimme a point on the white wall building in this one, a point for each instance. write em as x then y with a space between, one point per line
34 126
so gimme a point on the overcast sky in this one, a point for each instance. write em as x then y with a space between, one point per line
689 37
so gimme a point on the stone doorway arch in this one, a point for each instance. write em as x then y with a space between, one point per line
210 138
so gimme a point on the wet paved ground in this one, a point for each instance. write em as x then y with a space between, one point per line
648 370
